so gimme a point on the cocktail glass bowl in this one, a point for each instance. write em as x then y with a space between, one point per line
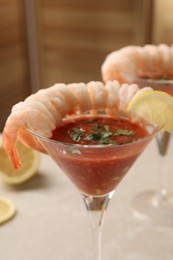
96 170
156 205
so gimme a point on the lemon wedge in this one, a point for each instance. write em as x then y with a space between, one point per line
154 106
29 165
7 210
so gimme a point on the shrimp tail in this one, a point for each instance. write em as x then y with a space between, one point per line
14 157
11 150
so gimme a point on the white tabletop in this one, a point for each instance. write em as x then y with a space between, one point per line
52 224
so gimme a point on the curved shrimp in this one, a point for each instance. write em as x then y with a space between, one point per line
45 110
132 62
37 114
81 93
126 94
164 52
116 66
98 94
136 55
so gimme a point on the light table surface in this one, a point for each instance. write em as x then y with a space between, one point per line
52 223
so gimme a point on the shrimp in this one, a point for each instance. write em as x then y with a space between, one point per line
81 93
164 53
171 61
126 94
97 94
132 62
37 114
136 55
116 66
43 111
141 91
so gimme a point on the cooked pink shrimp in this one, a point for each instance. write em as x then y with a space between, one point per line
171 61
38 114
112 88
116 65
164 53
98 94
44 111
136 55
126 94
131 62
81 93
141 91
150 53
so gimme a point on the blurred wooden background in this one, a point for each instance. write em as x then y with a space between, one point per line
77 35
48 41
14 67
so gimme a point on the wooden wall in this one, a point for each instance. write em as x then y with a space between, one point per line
163 22
14 70
74 36
72 39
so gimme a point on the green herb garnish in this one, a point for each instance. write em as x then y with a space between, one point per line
92 137
74 150
100 133
97 128
76 134
106 127
124 132
106 141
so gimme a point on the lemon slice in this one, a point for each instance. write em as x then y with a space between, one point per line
29 165
156 107
7 210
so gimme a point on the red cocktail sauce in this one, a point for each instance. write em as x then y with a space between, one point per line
98 168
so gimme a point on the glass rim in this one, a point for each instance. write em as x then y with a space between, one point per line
131 77
158 81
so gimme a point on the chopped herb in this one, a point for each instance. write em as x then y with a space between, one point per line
74 150
106 127
97 128
101 128
100 133
106 134
124 132
92 137
106 141
76 134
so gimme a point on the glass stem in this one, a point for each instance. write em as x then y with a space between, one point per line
162 139
96 208
162 181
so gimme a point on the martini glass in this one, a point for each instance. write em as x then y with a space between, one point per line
96 170
156 205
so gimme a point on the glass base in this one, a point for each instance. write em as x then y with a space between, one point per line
154 206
